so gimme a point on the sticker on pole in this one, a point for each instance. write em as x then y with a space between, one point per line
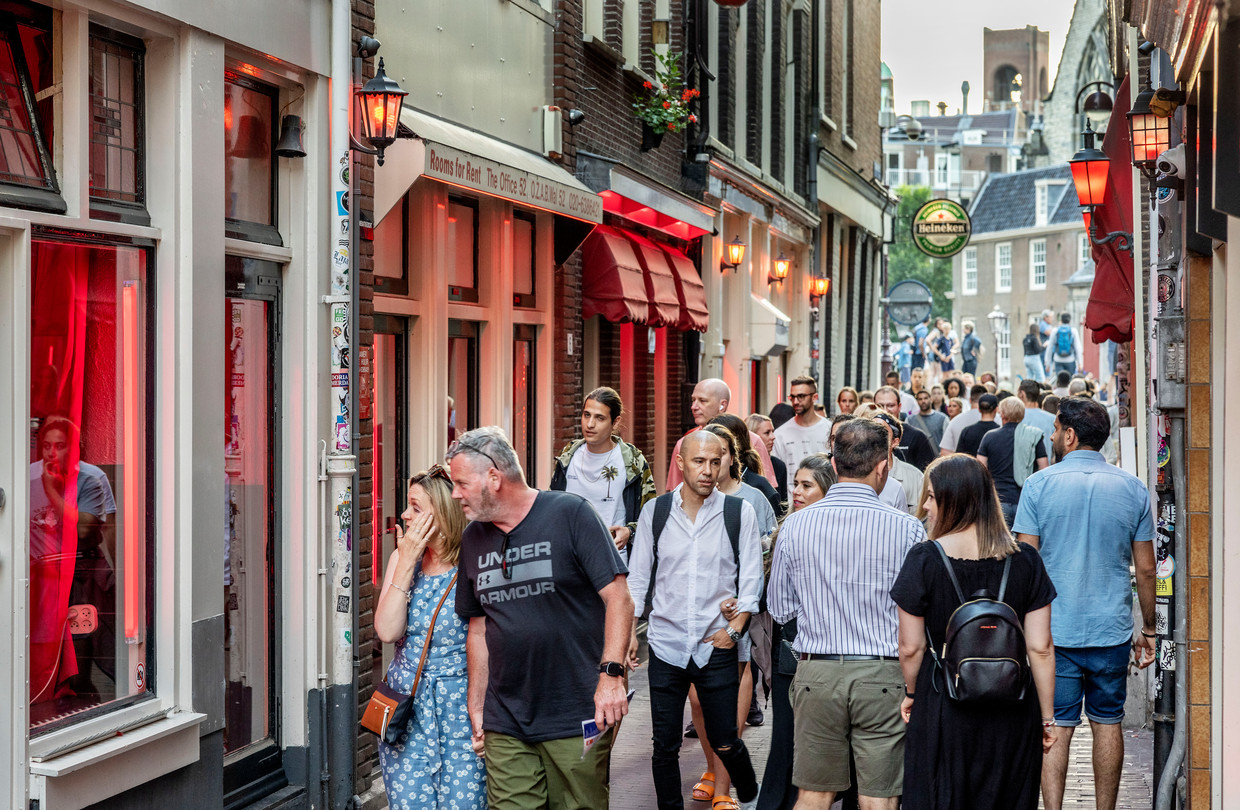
941 228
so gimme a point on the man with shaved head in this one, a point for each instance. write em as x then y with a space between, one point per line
710 398
697 558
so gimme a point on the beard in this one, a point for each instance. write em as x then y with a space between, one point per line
485 509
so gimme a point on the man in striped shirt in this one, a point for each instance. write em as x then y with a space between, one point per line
835 562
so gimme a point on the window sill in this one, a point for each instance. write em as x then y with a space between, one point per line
849 142
1036 288
968 292
116 764
637 73
828 123
600 47
720 148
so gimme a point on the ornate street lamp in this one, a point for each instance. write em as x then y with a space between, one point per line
1090 168
380 101
781 266
1148 134
733 254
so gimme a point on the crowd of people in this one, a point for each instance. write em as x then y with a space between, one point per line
813 560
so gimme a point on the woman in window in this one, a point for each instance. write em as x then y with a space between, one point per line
435 763
813 478
958 754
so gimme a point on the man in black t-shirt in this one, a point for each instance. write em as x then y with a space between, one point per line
545 594
915 447
1012 453
971 437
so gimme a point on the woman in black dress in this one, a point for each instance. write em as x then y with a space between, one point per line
959 756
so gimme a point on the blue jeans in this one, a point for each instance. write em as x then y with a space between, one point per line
1033 367
969 365
1099 676
717 685
919 361
1069 367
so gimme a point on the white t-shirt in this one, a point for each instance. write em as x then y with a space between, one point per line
893 495
793 442
587 476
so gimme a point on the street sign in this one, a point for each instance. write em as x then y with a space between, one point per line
941 228
908 302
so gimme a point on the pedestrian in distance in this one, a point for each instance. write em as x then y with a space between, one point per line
834 566
1091 522
1012 454
543 589
962 755
697 549
1063 350
957 424
806 432
752 473
971 348
929 421
607 471
846 400
1032 347
1030 395
711 397
908 403
762 427
813 479
433 763
915 446
864 396
954 407
971 437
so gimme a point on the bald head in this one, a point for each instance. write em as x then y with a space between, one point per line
710 398
698 440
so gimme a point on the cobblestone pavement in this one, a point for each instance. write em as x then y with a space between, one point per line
632 788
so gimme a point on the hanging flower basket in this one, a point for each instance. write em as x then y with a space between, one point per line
663 106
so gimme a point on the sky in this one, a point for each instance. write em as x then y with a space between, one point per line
932 47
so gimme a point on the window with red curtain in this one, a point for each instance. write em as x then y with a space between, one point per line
89 479
27 176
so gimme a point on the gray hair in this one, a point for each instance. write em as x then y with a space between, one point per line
489 444
1077 386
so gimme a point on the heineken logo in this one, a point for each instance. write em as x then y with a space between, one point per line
941 228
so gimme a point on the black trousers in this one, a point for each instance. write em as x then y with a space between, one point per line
717 685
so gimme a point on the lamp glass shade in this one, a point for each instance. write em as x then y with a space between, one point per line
380 100
735 252
781 266
819 287
1089 174
1149 137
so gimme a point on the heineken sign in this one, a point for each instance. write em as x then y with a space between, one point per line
941 228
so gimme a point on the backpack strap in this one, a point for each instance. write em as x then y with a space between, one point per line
951 573
1007 569
662 510
732 522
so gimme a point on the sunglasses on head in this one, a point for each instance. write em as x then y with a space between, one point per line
437 471
457 447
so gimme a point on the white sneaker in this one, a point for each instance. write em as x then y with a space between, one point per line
752 804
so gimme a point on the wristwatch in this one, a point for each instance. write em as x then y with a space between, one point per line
732 634
611 668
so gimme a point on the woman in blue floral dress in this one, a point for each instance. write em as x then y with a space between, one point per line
433 765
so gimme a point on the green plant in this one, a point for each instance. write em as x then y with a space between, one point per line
664 106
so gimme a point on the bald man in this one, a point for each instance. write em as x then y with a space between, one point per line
710 398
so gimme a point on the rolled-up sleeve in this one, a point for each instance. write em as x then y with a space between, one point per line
782 601
642 557
750 562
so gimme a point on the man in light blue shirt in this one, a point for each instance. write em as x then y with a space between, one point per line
1090 521
1030 395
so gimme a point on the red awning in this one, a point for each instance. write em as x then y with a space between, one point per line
689 288
612 283
660 281
1109 312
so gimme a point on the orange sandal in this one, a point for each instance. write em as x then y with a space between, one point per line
704 790
724 803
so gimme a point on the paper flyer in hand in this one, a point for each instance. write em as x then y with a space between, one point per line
590 732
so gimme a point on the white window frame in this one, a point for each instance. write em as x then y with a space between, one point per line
1036 283
968 272
1003 338
1084 251
942 170
1003 267
630 32
592 20
1041 204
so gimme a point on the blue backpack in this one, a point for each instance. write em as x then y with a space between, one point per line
1063 341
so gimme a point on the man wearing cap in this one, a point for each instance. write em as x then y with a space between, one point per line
971 437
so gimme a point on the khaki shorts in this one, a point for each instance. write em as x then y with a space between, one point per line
834 702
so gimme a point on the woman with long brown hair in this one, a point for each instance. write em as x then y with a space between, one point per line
960 755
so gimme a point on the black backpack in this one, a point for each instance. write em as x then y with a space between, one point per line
663 508
983 657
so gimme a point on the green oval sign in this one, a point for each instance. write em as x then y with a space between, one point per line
941 228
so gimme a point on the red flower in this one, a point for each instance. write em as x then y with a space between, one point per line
692 119
647 85
667 105
671 127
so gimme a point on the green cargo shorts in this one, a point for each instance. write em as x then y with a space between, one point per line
550 774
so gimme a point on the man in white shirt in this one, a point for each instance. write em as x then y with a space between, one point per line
806 432
690 566
711 398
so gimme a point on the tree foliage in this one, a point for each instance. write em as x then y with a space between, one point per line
905 261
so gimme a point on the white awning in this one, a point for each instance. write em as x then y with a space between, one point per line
452 154
768 328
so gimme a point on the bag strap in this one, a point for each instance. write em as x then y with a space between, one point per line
1007 569
732 522
951 573
430 631
662 511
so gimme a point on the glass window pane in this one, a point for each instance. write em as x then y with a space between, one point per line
20 158
88 478
248 538
462 246
462 377
522 256
523 387
116 119
248 138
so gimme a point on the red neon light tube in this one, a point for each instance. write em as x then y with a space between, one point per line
130 503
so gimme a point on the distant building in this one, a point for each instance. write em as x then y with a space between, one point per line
1015 64
955 153
1028 246
1083 61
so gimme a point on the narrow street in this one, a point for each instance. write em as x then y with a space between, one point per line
632 788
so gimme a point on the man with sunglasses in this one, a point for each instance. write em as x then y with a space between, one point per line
544 591
806 432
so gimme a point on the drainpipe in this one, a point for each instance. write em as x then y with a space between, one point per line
1170 781
340 734
812 147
